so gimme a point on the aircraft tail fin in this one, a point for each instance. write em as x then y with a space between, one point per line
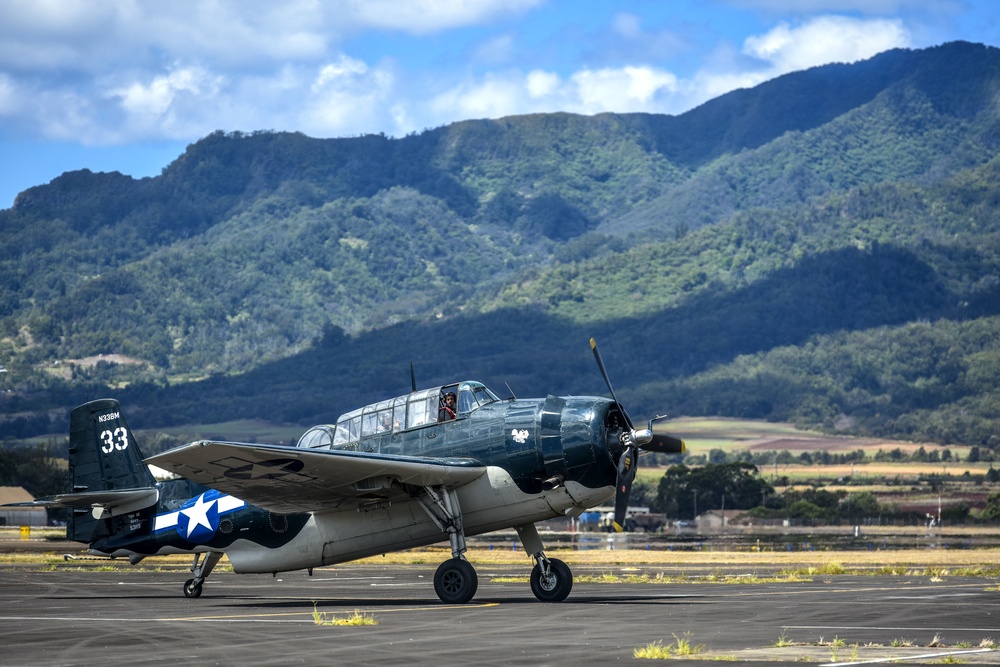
112 492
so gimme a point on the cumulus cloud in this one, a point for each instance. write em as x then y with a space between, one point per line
106 71
788 48
823 40
621 89
588 91
346 96
784 48
156 97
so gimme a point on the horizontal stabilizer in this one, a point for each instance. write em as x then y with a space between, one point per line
114 502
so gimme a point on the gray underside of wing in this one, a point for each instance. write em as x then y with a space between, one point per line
291 479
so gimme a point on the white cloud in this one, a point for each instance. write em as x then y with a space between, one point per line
90 35
588 91
347 97
541 84
116 71
645 88
494 96
156 97
621 89
824 40
345 69
786 48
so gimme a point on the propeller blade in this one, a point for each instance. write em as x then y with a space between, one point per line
633 440
664 444
626 474
607 379
604 372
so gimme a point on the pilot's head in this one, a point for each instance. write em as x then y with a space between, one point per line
449 398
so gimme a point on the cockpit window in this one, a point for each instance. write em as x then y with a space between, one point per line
376 419
318 437
348 429
421 408
403 412
472 395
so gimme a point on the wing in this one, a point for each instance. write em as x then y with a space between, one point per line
291 479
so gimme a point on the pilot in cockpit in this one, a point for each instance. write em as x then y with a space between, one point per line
385 423
447 410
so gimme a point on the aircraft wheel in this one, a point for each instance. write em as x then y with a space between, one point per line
192 589
455 581
556 586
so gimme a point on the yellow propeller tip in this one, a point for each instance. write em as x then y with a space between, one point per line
618 527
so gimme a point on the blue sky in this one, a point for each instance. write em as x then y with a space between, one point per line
126 85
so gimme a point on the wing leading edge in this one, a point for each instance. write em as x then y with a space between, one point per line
290 479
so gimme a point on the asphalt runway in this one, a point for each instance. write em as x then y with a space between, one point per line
86 617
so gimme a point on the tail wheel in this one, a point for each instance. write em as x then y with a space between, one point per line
455 581
192 589
554 587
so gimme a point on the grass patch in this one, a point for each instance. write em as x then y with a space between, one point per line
354 618
681 647
654 651
782 641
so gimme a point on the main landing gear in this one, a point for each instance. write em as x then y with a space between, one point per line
455 581
551 579
201 569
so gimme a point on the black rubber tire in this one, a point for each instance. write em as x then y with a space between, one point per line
558 585
455 581
192 589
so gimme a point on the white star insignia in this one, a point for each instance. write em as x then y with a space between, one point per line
197 514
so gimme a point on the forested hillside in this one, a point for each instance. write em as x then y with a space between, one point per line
823 248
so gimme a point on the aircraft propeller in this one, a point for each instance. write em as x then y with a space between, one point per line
633 440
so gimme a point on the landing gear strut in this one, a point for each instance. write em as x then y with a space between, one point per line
201 570
551 579
455 581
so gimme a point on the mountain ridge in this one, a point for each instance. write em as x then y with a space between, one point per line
251 250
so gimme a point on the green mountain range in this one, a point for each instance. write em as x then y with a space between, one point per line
823 248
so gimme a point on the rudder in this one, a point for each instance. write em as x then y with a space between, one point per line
103 456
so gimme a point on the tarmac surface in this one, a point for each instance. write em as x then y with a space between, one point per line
70 616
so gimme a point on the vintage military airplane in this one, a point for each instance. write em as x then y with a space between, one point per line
439 463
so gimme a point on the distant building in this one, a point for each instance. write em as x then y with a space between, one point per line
20 516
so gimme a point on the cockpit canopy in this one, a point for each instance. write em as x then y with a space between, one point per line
415 410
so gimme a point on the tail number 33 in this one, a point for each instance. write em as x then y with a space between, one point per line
117 439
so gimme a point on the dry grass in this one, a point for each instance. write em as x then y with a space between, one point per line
971 562
353 619
847 559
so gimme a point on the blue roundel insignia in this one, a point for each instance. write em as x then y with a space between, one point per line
198 518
